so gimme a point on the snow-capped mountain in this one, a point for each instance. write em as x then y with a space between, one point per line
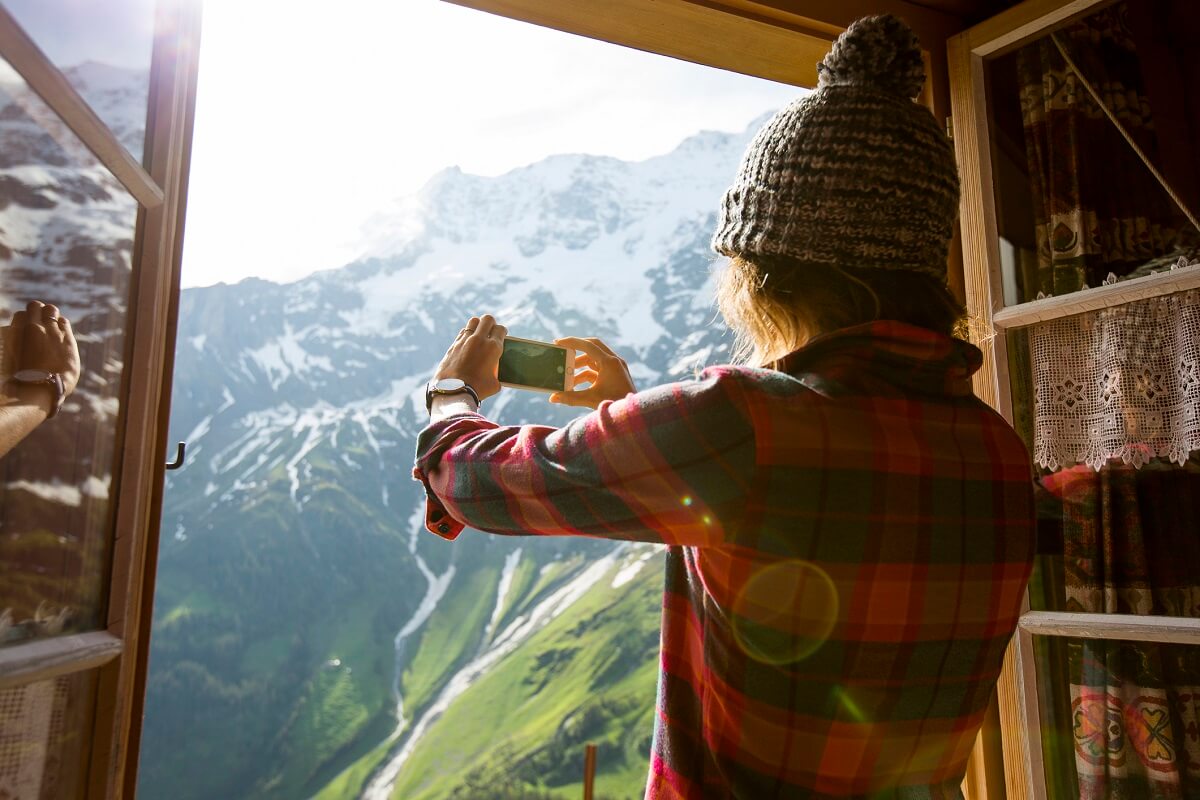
573 244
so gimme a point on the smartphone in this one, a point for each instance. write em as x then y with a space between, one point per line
539 366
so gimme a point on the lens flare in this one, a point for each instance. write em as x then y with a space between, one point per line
849 705
785 612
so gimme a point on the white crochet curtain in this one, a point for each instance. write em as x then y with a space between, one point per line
1121 383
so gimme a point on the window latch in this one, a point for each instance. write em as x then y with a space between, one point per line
180 451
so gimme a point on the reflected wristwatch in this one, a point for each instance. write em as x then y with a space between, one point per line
40 377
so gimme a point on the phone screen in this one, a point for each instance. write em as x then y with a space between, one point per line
533 364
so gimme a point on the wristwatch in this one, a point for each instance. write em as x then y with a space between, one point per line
40 377
448 386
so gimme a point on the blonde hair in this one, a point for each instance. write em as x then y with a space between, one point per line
776 304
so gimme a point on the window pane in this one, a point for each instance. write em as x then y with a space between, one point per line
104 50
68 229
1075 203
1119 719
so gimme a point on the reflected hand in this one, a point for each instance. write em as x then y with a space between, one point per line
42 339
474 357
606 371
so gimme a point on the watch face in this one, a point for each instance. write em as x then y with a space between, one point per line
449 385
32 376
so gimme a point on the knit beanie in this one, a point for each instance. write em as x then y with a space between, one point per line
855 174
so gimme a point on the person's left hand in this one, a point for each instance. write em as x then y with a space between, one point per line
605 371
474 357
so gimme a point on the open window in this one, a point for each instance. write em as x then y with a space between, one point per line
91 205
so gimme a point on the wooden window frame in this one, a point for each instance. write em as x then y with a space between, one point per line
120 652
991 320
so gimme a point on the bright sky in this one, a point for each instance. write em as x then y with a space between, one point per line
311 116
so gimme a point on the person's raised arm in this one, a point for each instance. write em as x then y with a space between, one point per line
44 369
671 465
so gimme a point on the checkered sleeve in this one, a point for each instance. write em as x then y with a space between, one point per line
669 465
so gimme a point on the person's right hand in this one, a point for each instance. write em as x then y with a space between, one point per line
606 371
42 339
474 357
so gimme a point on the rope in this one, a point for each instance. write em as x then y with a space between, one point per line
1121 128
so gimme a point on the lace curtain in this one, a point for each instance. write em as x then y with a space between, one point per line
1121 383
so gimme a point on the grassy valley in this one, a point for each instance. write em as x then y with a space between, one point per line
520 730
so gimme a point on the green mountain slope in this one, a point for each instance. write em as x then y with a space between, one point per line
585 675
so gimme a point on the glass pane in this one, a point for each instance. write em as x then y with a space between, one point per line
104 50
1119 719
44 729
68 230
1075 203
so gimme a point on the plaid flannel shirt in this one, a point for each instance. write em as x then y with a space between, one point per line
849 541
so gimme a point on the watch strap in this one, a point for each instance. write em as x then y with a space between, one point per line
431 392
60 394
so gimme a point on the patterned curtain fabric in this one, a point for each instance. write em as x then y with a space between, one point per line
1130 547
1097 209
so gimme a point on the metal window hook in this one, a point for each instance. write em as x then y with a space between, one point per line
180 451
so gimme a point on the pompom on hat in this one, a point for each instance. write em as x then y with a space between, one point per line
856 174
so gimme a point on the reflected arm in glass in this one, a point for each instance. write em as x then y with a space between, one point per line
40 366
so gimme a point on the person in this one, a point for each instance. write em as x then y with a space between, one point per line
849 529
41 369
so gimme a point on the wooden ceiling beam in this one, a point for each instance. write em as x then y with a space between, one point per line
781 40
686 30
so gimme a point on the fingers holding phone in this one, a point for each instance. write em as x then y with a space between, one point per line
605 371
485 357
474 355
